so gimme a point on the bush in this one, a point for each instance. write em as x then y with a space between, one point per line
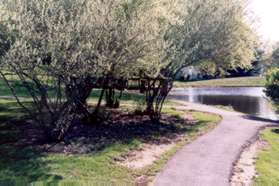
272 84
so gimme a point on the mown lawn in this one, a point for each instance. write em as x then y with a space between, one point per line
23 93
226 82
23 164
267 164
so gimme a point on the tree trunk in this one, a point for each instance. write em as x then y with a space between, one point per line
111 98
99 102
74 109
155 97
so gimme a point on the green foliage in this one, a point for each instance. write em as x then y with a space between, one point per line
62 50
272 84
215 31
208 68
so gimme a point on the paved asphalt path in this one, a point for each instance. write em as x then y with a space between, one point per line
208 161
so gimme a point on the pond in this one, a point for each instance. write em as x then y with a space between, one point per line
248 100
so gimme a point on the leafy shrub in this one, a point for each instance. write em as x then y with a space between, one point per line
272 84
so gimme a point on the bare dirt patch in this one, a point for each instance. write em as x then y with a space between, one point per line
244 171
148 153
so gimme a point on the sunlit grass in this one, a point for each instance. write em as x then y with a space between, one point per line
226 82
25 164
19 166
32 167
267 163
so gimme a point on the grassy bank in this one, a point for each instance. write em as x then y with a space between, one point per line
226 82
267 164
99 165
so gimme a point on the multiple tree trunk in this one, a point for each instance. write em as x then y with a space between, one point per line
155 91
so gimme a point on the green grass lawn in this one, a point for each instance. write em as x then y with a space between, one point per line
20 165
23 93
226 82
267 163
4 91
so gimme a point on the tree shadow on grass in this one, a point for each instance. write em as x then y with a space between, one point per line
19 163
23 160
23 165
123 128
11 114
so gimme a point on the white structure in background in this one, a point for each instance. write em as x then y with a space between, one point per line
189 73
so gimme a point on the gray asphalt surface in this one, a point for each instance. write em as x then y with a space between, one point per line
208 161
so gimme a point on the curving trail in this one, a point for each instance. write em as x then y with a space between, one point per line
208 161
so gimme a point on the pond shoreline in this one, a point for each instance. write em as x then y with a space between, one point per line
248 100
252 81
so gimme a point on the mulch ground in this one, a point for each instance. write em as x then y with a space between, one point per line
118 127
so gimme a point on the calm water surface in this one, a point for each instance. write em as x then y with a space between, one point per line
248 100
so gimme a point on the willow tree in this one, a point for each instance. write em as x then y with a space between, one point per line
154 19
63 49
215 31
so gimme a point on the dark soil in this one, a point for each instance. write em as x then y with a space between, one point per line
118 127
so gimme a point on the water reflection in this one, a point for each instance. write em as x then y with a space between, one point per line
248 100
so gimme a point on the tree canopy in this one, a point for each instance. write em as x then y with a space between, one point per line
61 51
214 31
